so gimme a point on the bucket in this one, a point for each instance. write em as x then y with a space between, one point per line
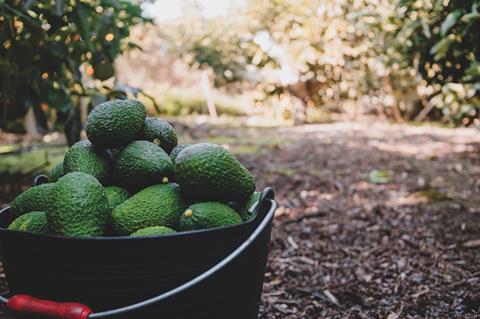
205 274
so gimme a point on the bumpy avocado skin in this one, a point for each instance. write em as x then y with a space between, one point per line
56 172
36 198
142 164
174 153
157 205
208 172
80 207
208 215
153 231
160 132
116 195
115 123
34 222
84 157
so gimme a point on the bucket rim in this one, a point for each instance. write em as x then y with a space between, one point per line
252 221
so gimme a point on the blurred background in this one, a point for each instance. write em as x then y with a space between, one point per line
362 114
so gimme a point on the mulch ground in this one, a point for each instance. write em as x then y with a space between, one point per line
344 246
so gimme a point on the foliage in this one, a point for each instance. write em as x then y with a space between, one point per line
182 102
441 38
393 56
53 55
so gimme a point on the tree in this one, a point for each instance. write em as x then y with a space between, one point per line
54 56
441 40
312 52
406 58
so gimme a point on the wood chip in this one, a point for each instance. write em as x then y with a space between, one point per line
331 297
292 242
472 243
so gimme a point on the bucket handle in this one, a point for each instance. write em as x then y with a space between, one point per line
24 304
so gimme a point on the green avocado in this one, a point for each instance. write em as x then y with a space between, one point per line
115 123
36 198
208 172
208 215
113 153
116 196
56 172
157 205
35 222
153 231
80 207
141 164
176 150
160 132
83 157
245 209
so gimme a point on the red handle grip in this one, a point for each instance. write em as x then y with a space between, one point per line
23 304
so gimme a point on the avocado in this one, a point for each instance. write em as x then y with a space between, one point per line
208 215
208 172
113 153
160 132
153 231
142 164
157 205
245 209
176 150
116 196
80 207
115 123
84 157
35 222
56 172
36 198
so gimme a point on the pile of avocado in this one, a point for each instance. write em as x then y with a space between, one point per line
130 178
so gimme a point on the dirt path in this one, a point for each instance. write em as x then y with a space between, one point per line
346 246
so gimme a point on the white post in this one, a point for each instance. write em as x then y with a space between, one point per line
208 95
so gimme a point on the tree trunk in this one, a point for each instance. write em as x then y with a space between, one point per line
207 93
31 127
397 115
299 110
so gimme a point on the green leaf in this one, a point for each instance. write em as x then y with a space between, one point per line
471 17
450 21
440 49
380 177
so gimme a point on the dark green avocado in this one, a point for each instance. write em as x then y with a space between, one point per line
208 172
36 198
84 157
141 164
80 207
115 123
153 231
35 222
160 132
157 205
177 150
208 215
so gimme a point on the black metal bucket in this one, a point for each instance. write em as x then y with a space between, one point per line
215 273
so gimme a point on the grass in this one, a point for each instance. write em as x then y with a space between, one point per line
38 159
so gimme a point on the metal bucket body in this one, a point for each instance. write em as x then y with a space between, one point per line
111 272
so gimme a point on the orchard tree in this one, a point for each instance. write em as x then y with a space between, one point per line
442 40
55 55
312 52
